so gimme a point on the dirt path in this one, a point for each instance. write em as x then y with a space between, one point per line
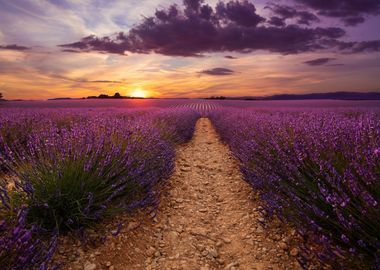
208 219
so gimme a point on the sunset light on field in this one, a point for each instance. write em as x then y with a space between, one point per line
189 134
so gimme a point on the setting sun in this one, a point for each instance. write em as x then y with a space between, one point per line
138 93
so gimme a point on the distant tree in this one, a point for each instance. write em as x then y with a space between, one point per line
216 97
1 95
117 95
103 96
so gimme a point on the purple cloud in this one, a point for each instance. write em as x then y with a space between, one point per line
352 12
105 81
189 38
359 47
230 27
230 57
277 21
319 61
283 13
218 72
241 13
353 21
14 47
117 44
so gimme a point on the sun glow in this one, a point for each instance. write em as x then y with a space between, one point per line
138 93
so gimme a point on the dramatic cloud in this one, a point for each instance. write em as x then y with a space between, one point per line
217 71
352 12
319 61
277 21
352 21
199 29
13 47
230 57
242 13
355 47
285 12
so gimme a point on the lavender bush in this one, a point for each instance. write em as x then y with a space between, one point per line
74 168
22 247
176 125
320 171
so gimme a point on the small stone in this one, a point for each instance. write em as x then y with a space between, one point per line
283 246
157 254
226 240
151 251
231 265
89 266
108 264
259 229
132 225
294 252
173 236
213 252
199 231
205 253
220 261
261 219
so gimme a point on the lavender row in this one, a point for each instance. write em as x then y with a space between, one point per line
68 169
319 171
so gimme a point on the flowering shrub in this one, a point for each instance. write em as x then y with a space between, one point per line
319 171
74 168
176 125
21 247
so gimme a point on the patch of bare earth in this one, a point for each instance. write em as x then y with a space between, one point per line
208 218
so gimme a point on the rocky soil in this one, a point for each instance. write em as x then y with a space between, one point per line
208 218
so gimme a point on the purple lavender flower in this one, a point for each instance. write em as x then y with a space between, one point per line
319 170
74 167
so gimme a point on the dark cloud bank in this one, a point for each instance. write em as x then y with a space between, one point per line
218 72
351 12
235 26
14 47
319 61
283 13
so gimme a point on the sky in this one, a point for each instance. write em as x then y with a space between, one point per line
190 48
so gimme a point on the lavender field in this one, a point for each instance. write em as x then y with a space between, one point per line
70 166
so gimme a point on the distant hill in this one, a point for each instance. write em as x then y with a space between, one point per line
115 96
330 95
62 98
